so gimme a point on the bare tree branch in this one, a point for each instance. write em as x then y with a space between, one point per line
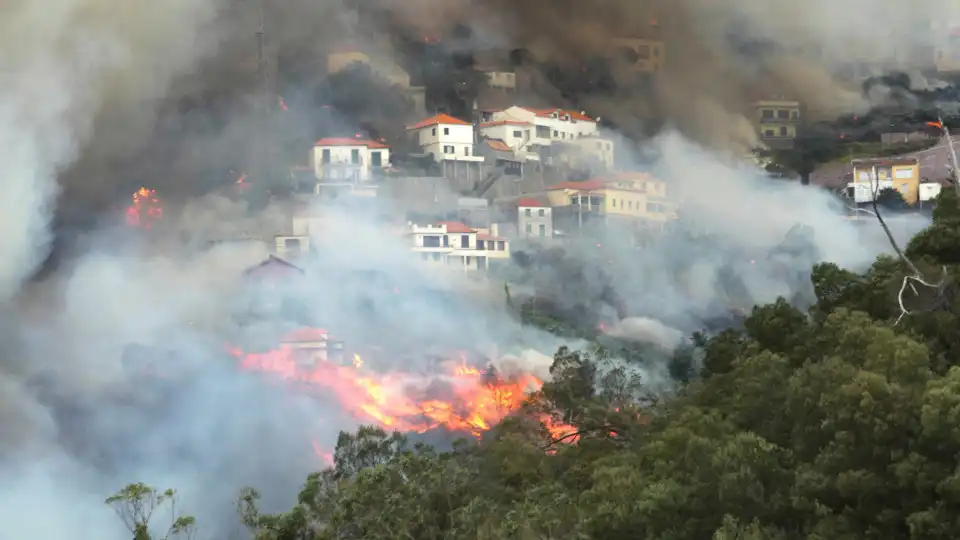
917 276
954 170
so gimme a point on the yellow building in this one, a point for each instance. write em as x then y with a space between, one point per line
777 120
645 55
629 195
901 174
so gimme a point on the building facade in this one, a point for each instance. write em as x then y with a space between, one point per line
454 245
873 175
637 196
534 219
348 160
777 120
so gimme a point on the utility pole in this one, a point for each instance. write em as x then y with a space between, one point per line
262 108
954 171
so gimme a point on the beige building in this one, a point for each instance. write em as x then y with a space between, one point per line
629 195
777 119
873 175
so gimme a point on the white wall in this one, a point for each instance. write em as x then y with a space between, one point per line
342 156
439 139
508 133
559 128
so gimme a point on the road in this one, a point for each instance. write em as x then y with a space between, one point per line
933 166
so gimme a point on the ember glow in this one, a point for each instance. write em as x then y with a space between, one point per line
462 399
145 209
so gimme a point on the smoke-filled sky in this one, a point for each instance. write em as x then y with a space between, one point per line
99 98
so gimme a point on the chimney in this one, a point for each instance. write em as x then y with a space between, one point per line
494 229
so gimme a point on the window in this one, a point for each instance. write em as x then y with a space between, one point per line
291 243
783 131
529 228
355 156
904 188
431 241
613 203
656 51
783 114
903 173
433 131
446 240
326 156
555 133
446 131
543 132
541 212
375 159
596 201
769 133
517 134
543 230
501 245
447 149
465 240
480 244
794 115
574 200
766 114
526 212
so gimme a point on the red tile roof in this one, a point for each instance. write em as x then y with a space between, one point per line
439 119
574 115
498 145
303 335
347 141
602 181
504 123
587 185
455 227
530 203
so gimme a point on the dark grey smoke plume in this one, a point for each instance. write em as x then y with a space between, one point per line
102 97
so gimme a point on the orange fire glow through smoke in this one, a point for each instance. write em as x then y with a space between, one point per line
471 401
145 209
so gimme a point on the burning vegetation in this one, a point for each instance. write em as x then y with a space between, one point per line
145 209
461 399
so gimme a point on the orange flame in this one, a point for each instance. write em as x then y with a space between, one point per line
938 125
471 400
145 209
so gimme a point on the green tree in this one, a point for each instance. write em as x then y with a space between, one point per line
136 505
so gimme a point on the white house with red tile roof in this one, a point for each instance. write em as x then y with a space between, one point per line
455 245
346 160
531 131
534 219
446 137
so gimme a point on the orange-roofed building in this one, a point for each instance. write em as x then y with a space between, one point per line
454 245
349 159
546 133
629 195
451 143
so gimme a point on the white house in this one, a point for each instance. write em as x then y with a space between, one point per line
456 245
446 137
348 160
451 143
534 219
527 129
